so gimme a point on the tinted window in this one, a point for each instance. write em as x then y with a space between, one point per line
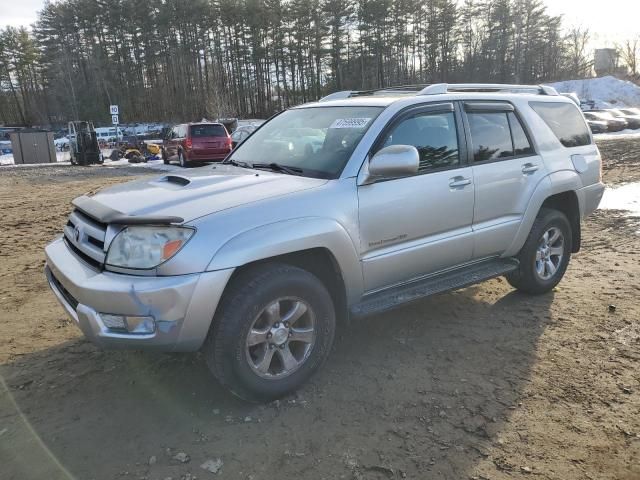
490 136
433 134
565 122
208 130
521 144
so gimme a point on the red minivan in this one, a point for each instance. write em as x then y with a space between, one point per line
196 142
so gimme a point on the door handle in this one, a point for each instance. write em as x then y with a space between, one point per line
457 182
529 168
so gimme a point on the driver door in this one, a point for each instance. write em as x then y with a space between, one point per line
418 225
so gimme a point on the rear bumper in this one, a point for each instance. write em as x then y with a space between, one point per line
182 306
196 156
589 198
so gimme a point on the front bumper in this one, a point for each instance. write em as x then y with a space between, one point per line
182 305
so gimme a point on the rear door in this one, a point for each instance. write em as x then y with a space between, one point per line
419 224
209 139
506 170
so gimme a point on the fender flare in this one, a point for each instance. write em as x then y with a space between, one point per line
553 184
294 235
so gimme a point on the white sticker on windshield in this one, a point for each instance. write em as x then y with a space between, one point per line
350 122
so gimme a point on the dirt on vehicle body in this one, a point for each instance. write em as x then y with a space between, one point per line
479 383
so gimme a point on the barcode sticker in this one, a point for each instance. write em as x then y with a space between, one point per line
350 122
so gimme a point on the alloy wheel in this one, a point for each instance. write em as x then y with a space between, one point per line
281 338
549 253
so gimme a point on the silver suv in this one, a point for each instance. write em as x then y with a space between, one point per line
349 206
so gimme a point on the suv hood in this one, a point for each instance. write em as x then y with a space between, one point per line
199 192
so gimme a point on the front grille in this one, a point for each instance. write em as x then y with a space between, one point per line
70 299
84 257
85 237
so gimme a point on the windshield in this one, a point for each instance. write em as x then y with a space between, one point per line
318 140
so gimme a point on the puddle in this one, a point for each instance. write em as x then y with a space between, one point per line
626 197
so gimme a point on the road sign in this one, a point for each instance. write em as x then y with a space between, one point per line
114 119
113 109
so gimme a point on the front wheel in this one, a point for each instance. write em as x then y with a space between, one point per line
182 160
273 330
545 255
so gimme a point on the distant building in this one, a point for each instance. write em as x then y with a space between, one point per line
606 62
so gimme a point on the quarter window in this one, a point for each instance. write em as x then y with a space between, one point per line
565 122
433 134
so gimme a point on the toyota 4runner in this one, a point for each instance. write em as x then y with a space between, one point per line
342 208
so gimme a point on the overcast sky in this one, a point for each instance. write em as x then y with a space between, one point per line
608 20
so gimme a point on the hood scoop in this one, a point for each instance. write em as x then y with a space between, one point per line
176 180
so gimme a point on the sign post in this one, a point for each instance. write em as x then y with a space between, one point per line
115 111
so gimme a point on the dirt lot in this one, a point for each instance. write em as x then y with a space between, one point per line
482 383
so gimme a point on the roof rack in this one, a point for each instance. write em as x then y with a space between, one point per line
442 88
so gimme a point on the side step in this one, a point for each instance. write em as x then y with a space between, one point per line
443 282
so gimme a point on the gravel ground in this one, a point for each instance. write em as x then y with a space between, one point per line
482 383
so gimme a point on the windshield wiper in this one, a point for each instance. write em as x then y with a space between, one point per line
237 163
276 167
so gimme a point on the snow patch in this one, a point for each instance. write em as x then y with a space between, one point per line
626 197
606 92
614 135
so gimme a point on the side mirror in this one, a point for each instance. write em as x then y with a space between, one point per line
393 161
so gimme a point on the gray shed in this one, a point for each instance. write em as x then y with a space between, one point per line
33 147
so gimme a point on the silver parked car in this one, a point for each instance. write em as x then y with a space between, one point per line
388 197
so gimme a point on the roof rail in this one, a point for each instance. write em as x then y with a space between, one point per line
441 88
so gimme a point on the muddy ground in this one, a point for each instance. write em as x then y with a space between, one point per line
482 383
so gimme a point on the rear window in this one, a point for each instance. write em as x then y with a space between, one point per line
208 131
565 122
490 136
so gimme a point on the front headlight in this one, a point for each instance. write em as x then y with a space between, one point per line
146 247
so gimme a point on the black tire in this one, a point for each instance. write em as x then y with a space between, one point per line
226 350
182 160
527 279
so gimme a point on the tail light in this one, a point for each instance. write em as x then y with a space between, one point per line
229 143
188 143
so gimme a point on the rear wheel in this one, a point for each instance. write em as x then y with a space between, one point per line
273 330
545 255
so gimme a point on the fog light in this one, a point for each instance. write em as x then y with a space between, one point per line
113 322
140 324
128 324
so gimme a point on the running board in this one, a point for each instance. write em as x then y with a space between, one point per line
442 282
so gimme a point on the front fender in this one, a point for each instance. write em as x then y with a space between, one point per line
557 182
290 236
